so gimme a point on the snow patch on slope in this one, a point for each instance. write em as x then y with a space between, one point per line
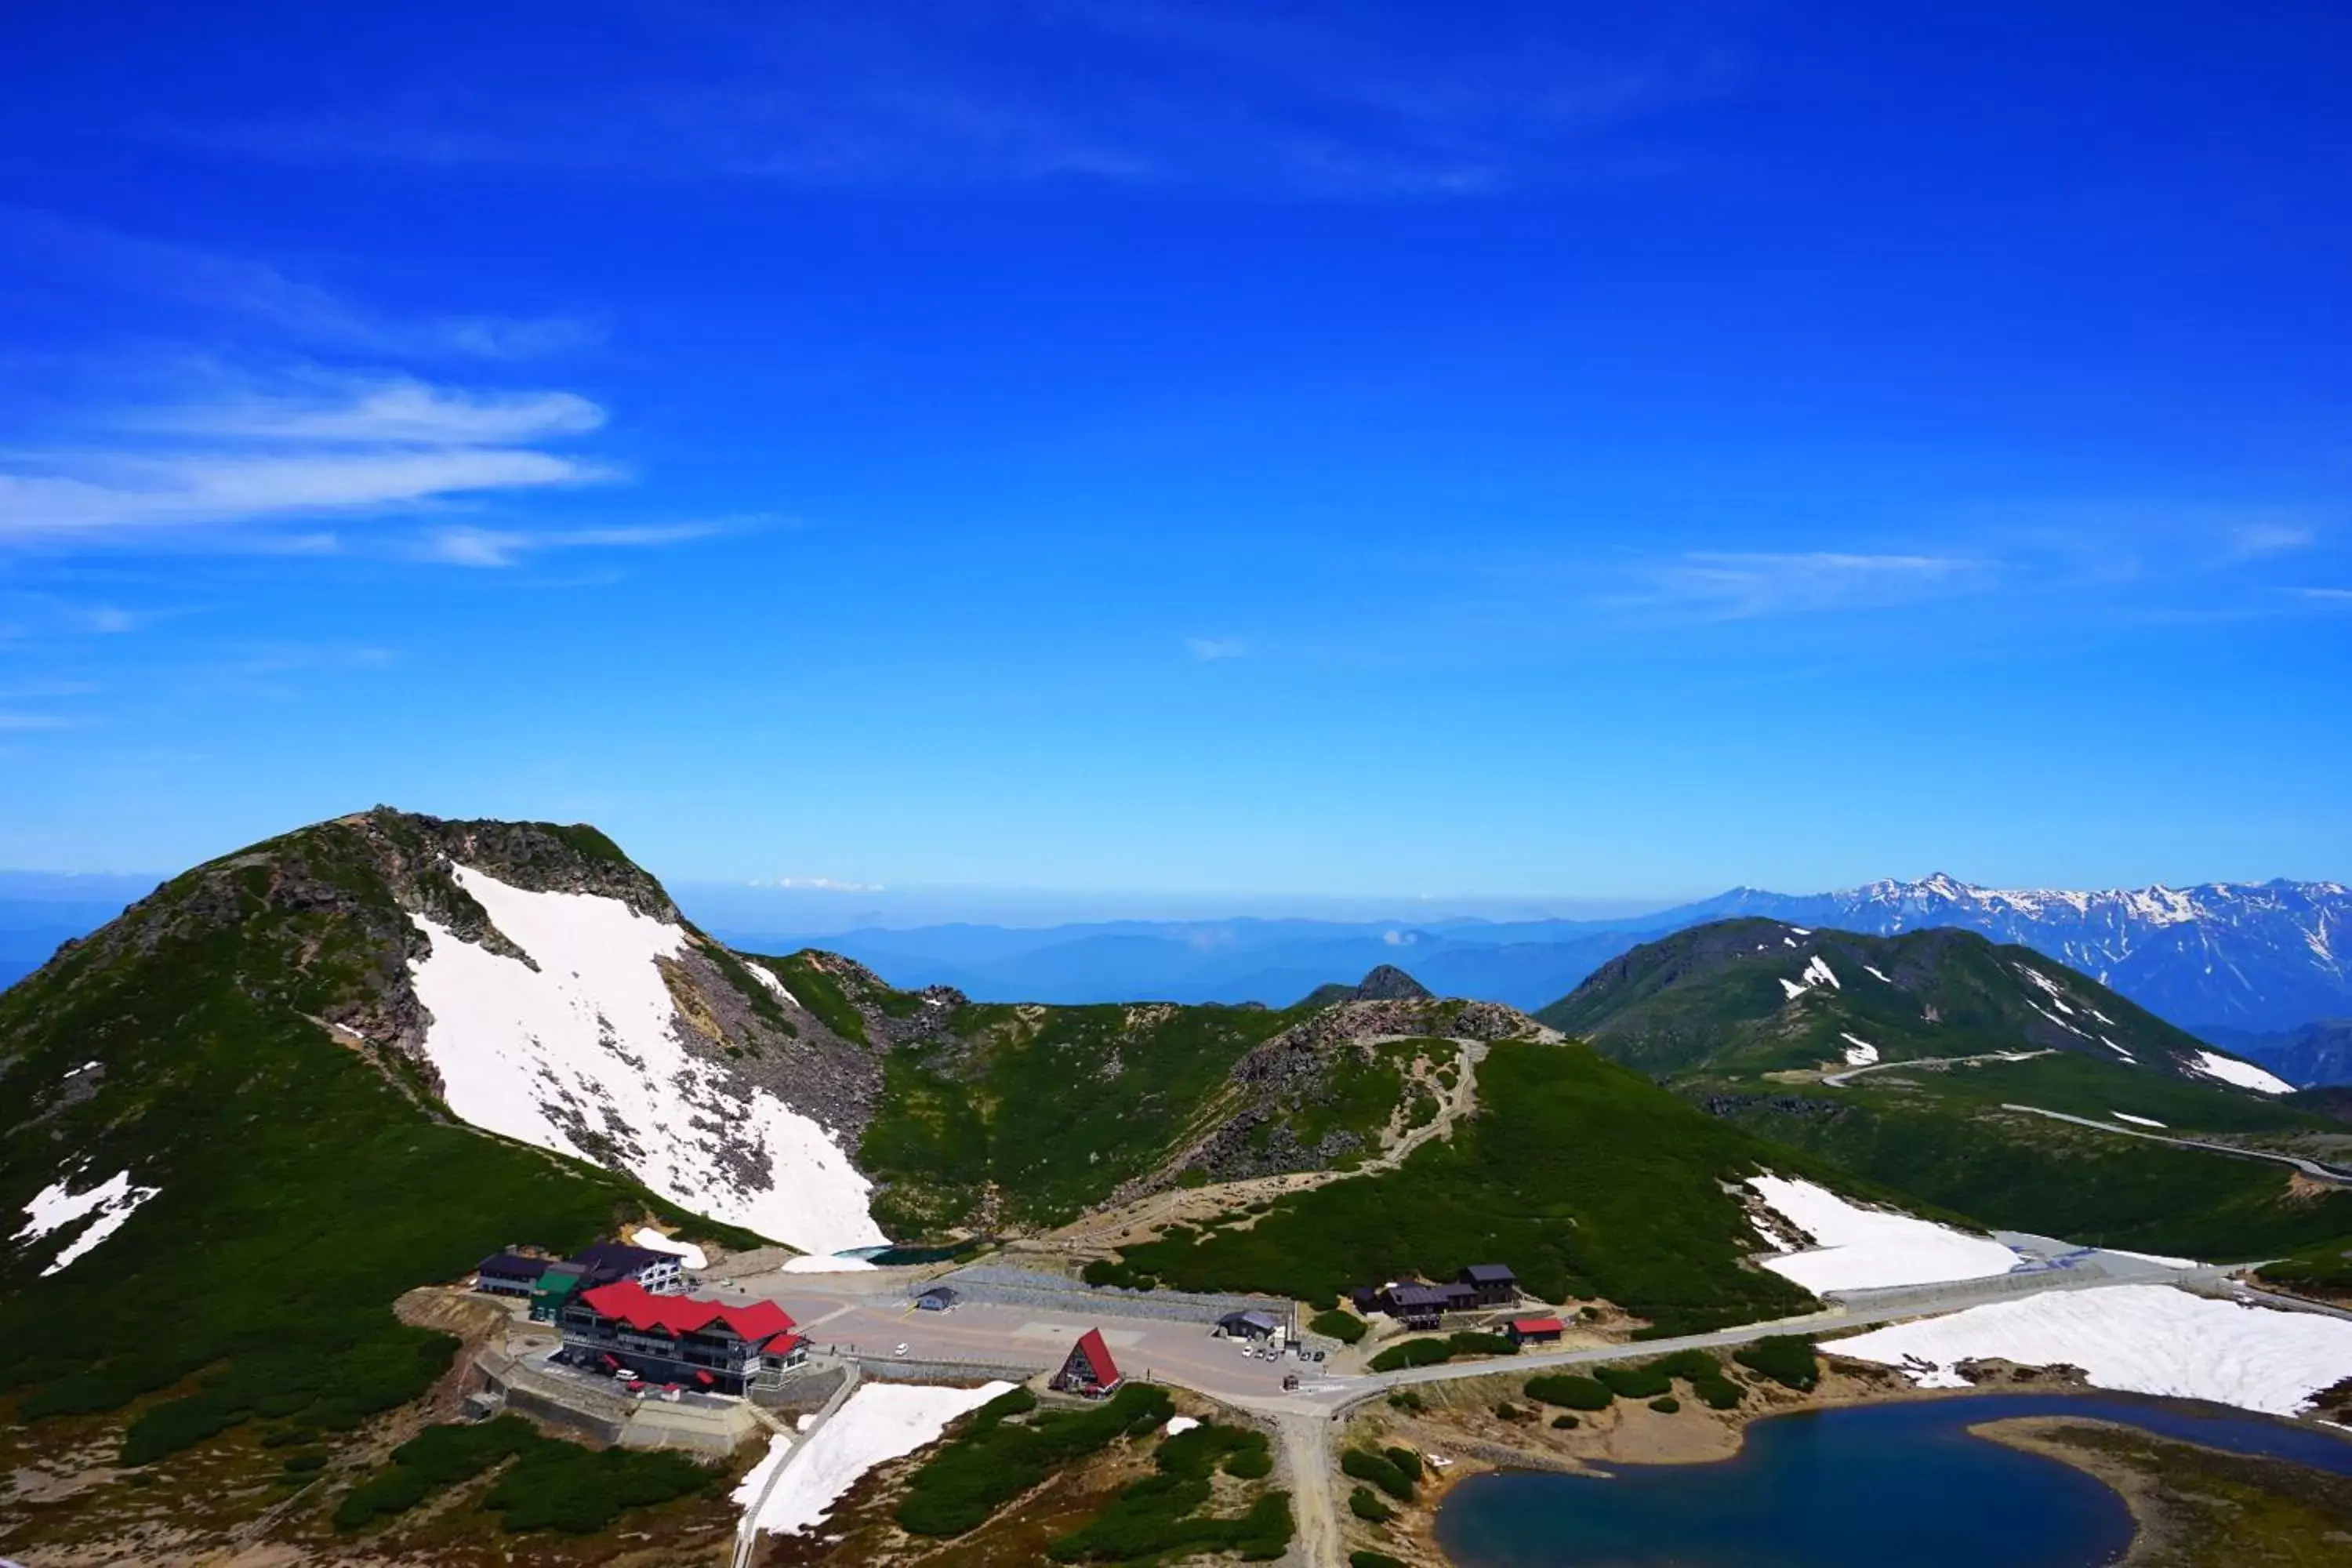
1815 972
822 1263
1859 1053
2245 1075
685 1252
760 971
880 1421
582 1056
1862 1248
111 1202
2135 1120
2136 1339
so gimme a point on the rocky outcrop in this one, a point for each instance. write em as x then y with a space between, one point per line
1251 1134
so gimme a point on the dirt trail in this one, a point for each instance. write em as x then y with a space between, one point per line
1147 1217
1306 1454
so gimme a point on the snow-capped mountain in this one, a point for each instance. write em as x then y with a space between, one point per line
2232 955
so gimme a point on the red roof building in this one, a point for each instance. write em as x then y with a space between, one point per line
1090 1369
1537 1331
711 1344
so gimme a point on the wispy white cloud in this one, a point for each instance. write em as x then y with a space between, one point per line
821 885
1210 649
2261 538
215 285
394 410
249 459
2323 595
21 721
1739 586
101 492
469 546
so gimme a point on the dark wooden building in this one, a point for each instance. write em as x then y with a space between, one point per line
508 1274
1247 1326
1490 1285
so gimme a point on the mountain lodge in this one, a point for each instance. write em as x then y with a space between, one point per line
1090 1369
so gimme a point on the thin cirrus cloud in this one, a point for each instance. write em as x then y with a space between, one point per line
1208 651
468 546
321 449
1746 585
216 287
1330 102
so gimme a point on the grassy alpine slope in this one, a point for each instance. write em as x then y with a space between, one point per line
996 1115
1757 995
1708 1011
302 1185
1586 1178
1029 1115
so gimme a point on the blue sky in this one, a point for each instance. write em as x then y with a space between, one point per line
1426 450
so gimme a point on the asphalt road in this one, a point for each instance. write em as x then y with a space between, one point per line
2312 1168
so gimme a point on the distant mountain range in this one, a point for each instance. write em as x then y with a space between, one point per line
2245 963
2250 958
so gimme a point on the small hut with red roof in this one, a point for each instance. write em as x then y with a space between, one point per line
1090 1369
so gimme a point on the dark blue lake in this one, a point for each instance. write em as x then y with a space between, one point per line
1863 1488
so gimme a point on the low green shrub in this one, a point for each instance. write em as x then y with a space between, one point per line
1373 1560
1365 1506
307 1462
435 1458
1639 1381
1571 1392
1153 1520
1565 1424
1344 1326
561 1486
1407 1353
1704 1373
1382 1471
1665 1404
1788 1360
1406 1400
993 1460
1251 1464
1116 1274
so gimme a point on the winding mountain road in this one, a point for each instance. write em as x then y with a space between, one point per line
2311 1168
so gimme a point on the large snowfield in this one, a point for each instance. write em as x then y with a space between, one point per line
2134 1338
880 1421
2245 1075
112 1202
584 1052
1860 1248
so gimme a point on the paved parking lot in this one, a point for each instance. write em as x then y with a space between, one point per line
874 1318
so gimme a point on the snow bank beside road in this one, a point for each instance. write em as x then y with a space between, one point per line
1861 1249
880 1421
2134 1339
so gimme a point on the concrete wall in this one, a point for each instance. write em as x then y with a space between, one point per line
528 1401
899 1369
803 1388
